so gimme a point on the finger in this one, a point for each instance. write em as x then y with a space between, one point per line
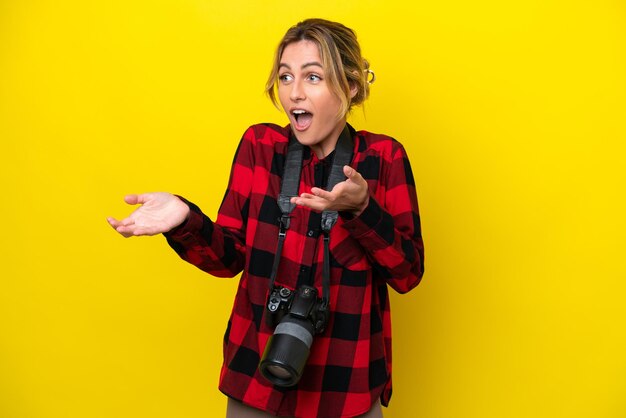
143 198
322 193
125 231
352 174
139 231
310 201
124 222
296 199
131 199
114 223
128 222
137 199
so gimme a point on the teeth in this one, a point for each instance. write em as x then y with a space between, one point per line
298 112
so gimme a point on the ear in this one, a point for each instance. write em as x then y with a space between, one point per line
353 90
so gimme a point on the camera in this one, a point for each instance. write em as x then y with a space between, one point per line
297 316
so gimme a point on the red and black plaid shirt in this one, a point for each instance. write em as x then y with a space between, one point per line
349 366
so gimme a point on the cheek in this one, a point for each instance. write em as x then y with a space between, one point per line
282 97
330 106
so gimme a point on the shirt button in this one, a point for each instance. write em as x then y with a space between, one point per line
310 233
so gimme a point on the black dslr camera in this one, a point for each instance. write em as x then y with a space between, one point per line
297 316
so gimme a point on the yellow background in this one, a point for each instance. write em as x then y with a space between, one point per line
513 114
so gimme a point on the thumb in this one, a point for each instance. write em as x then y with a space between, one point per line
352 174
135 199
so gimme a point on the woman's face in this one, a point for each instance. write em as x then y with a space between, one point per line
310 105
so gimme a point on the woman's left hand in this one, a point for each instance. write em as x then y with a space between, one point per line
350 195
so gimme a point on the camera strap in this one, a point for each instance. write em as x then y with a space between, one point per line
289 188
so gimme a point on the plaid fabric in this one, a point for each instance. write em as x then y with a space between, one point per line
350 363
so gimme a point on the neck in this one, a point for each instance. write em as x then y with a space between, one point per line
324 148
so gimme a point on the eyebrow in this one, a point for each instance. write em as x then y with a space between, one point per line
305 65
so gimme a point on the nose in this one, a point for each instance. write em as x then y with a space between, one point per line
297 91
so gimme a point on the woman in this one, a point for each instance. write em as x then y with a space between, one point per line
318 76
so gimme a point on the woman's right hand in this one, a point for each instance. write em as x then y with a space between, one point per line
159 212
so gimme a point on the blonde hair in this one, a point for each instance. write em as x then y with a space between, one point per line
340 53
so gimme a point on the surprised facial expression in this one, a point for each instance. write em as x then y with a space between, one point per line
312 108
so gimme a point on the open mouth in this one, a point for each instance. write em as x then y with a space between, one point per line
302 118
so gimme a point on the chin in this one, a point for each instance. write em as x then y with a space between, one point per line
304 138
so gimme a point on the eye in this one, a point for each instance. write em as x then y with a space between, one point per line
285 78
314 78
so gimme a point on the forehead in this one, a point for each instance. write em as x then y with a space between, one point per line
302 52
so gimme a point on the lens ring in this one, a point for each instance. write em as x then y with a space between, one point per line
279 371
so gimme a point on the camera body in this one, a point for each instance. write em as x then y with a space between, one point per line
302 303
297 316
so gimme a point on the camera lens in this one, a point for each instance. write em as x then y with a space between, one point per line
287 351
278 371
